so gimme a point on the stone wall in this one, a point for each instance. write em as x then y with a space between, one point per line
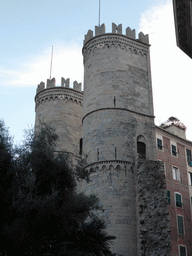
117 118
117 68
114 184
62 108
153 228
112 134
118 105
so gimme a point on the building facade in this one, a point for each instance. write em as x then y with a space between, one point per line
175 151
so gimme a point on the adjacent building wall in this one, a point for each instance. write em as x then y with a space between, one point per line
178 185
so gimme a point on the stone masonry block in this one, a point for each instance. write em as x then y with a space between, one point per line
88 36
116 29
130 33
144 38
40 87
50 83
100 30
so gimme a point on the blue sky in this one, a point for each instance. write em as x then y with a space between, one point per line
29 29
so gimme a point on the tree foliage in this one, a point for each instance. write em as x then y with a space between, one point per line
47 216
6 179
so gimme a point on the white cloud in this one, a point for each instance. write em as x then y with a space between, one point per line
171 68
67 63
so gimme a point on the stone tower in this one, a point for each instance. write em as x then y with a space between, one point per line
61 106
118 124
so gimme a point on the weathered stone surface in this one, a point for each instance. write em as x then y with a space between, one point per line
153 226
117 98
113 182
61 107
118 115
118 112
50 83
143 38
100 30
116 29
40 87
130 33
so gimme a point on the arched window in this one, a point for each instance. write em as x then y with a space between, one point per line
141 147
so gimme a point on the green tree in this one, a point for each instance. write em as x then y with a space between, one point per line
48 216
6 181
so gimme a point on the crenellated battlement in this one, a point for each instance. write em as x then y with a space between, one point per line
100 30
64 83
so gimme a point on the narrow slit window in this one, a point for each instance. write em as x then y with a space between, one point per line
114 101
81 147
98 154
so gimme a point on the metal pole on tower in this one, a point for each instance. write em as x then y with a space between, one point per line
51 62
99 11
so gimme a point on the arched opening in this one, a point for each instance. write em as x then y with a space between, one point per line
141 147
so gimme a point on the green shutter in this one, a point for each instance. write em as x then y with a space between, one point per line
174 152
188 155
168 196
178 200
182 251
159 144
180 225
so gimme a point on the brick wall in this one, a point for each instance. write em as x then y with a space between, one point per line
180 186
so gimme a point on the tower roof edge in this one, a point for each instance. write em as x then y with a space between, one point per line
116 29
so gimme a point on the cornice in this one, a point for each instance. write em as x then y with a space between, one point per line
169 134
114 41
59 93
116 109
110 165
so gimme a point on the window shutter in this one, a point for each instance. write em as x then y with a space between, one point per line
178 174
189 178
168 196
159 144
182 250
174 173
188 155
174 151
178 200
180 225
